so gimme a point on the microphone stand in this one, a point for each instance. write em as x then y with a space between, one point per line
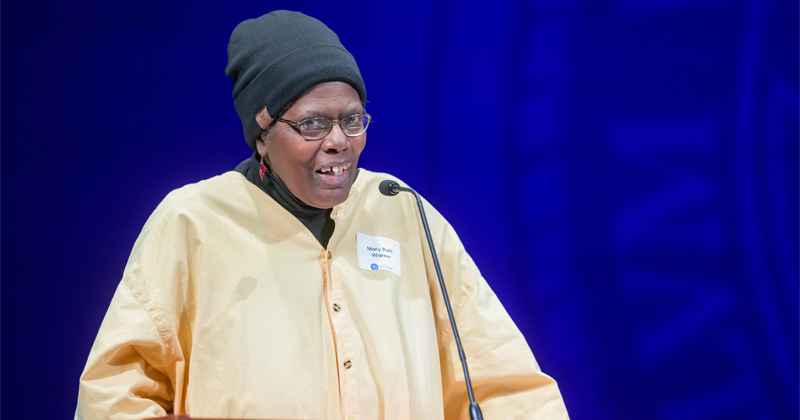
392 188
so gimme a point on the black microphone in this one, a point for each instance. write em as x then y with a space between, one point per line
391 188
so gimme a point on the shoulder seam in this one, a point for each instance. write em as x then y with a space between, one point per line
161 333
466 293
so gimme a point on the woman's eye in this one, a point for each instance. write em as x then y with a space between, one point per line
354 122
312 124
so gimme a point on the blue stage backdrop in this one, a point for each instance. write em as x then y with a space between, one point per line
624 173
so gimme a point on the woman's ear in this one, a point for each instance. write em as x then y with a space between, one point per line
261 146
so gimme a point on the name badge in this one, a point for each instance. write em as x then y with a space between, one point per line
376 253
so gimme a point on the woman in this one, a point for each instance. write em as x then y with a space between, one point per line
279 290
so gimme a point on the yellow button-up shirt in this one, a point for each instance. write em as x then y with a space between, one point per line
230 308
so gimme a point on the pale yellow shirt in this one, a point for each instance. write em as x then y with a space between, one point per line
230 308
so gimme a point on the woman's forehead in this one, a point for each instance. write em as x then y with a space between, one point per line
328 97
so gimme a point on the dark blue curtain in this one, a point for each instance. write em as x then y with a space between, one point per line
625 174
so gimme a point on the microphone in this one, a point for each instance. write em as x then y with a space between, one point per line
391 188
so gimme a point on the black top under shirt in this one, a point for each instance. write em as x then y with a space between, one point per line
318 221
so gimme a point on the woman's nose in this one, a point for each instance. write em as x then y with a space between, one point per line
336 140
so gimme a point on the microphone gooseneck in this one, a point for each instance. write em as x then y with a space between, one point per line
391 188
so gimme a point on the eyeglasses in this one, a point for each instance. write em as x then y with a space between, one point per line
317 128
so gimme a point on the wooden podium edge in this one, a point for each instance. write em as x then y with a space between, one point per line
186 417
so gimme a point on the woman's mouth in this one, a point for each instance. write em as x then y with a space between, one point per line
334 175
333 170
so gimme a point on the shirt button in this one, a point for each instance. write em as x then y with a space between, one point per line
347 364
336 307
329 255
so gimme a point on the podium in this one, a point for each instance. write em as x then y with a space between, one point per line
186 417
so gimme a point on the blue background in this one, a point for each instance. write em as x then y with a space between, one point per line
625 174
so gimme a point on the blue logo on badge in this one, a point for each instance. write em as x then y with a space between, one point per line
374 266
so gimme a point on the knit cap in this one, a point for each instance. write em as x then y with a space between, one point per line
276 57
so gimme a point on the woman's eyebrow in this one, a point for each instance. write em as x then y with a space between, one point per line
316 113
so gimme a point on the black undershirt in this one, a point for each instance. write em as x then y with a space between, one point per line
317 221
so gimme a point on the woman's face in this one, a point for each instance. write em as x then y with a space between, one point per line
305 165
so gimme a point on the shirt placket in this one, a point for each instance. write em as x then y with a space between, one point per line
343 339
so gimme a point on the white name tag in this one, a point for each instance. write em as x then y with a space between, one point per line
376 253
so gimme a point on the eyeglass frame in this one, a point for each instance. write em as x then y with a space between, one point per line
296 124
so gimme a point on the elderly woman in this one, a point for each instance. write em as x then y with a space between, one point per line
290 287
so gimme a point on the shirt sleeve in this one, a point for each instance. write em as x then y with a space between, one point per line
507 380
126 376
135 369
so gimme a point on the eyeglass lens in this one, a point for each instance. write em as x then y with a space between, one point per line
352 125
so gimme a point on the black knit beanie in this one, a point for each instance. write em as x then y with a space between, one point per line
276 57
